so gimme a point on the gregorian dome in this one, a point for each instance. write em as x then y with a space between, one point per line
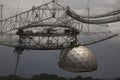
78 59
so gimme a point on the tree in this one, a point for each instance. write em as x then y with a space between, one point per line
117 78
40 77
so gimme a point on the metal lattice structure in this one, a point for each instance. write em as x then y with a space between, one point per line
46 27
43 27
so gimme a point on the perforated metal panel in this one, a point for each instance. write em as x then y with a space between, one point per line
78 59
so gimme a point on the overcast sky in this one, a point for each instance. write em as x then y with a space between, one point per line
35 62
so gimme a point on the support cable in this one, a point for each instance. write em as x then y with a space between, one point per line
88 9
17 61
1 18
19 50
18 6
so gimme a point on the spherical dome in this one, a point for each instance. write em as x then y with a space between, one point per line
78 59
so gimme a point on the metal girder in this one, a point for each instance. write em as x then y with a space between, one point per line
42 43
33 16
40 28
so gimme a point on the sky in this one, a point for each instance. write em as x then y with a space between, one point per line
36 62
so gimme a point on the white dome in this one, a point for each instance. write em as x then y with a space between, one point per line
78 59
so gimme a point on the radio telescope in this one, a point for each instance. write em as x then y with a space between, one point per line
52 26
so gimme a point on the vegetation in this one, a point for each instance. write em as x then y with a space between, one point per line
47 77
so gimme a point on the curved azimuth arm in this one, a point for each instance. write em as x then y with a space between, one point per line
106 14
101 40
105 20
